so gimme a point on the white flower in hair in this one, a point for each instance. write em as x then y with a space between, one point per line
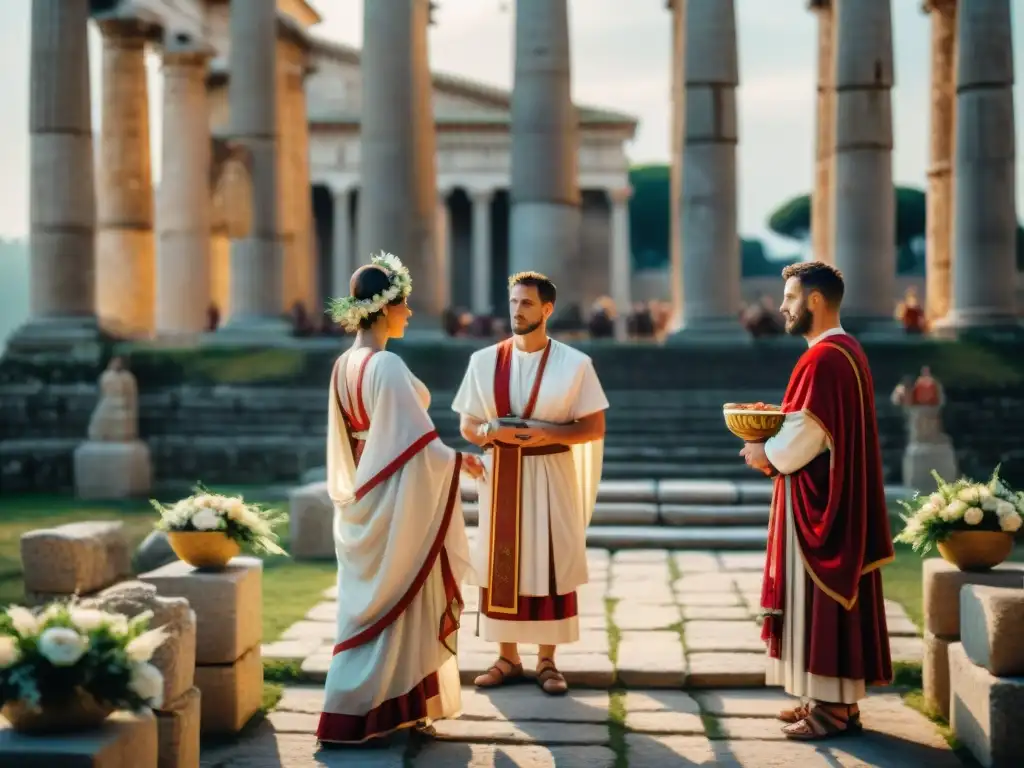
348 311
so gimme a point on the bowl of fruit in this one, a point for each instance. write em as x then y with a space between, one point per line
753 422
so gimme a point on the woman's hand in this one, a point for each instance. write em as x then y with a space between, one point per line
472 465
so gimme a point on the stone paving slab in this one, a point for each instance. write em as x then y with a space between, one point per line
533 732
448 754
726 670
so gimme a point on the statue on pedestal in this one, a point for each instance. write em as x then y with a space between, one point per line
928 446
113 463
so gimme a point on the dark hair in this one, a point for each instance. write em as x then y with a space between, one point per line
545 288
818 276
368 281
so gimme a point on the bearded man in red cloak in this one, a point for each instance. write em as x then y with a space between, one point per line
824 617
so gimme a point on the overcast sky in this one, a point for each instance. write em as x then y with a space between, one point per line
621 60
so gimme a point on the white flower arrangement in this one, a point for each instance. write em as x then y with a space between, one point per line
46 655
203 511
348 311
960 506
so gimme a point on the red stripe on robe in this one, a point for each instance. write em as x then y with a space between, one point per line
402 711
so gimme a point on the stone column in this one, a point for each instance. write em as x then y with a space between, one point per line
398 196
183 290
482 256
544 216
825 139
256 260
863 212
984 169
305 239
444 236
678 123
62 194
939 218
342 263
711 244
620 274
125 245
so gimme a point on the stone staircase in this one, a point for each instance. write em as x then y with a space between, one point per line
675 514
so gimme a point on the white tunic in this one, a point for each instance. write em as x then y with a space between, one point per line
558 491
800 440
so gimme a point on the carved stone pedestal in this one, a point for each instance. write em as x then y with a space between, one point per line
928 448
112 470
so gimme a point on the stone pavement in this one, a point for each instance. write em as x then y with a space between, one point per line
649 618
520 726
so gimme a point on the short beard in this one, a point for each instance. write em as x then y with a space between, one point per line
802 323
528 329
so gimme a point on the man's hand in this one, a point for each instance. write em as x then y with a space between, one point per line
754 455
472 466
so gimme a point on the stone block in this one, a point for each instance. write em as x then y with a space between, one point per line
992 627
935 674
984 711
176 656
113 470
657 663
123 741
311 523
697 492
942 583
231 693
75 559
154 551
178 731
228 605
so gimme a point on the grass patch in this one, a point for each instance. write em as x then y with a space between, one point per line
283 672
712 728
907 674
617 727
614 634
271 697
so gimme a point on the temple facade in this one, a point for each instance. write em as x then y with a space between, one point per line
271 195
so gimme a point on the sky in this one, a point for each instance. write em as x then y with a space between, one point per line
621 59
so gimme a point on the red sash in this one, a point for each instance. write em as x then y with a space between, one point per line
506 474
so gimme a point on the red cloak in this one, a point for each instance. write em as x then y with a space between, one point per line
841 521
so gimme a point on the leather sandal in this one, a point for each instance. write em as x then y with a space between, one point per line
495 677
550 680
794 715
823 723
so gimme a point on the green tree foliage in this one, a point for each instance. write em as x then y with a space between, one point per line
793 220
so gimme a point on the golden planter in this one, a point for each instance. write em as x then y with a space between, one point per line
750 424
976 550
203 549
80 712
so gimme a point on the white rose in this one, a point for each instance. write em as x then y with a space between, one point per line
954 511
969 495
973 516
62 647
990 503
984 492
142 647
9 651
938 500
90 619
1004 508
1010 523
206 520
24 621
234 508
927 511
148 683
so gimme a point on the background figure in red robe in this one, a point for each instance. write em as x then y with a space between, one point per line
829 532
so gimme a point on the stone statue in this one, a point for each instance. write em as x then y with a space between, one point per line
928 446
113 463
116 417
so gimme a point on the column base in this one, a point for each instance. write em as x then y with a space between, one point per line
713 329
81 337
958 324
253 329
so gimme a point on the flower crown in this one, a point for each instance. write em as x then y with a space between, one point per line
348 311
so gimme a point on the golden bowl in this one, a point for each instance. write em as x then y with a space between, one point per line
203 549
753 423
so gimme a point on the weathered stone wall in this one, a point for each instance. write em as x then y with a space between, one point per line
259 415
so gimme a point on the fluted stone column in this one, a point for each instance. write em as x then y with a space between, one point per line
125 244
620 274
482 257
711 245
545 216
444 236
677 127
305 239
256 260
342 263
939 219
984 169
398 195
863 212
183 289
825 139
62 195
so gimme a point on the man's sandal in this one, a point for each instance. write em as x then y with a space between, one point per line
550 680
496 677
822 723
